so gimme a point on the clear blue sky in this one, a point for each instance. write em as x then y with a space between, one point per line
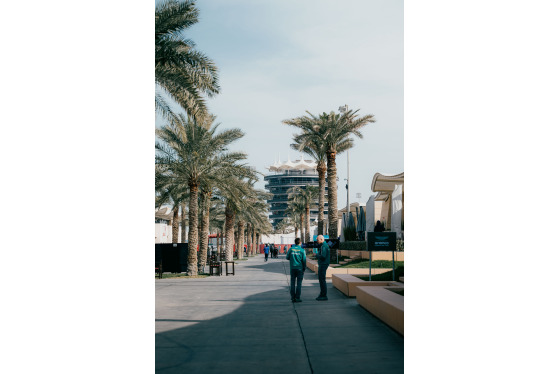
277 59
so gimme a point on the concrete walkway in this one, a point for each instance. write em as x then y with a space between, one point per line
247 324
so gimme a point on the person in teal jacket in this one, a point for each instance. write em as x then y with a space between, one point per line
323 261
297 258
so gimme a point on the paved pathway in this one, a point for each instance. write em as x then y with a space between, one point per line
247 324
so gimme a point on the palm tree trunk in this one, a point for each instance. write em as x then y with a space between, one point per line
200 213
332 195
249 243
192 267
204 231
183 223
246 229
301 226
230 223
307 224
254 244
258 242
175 225
240 226
222 238
321 169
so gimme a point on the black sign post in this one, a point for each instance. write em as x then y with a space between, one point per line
382 241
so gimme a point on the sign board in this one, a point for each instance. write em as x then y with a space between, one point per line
382 241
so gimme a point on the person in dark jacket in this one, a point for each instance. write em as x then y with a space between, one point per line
323 260
297 258
378 227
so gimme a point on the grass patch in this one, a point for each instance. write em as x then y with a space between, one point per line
364 263
182 276
387 276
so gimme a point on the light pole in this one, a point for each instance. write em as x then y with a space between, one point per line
343 109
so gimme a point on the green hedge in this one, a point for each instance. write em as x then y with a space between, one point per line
353 246
388 276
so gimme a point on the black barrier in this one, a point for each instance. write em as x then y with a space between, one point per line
382 241
173 256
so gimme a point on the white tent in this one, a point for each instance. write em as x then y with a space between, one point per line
370 213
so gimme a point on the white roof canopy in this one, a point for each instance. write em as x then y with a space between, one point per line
385 185
294 165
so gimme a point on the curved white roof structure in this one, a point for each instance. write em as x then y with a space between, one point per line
385 184
300 164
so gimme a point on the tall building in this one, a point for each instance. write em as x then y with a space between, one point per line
286 175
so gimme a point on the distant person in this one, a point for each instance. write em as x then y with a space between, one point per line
378 227
323 260
266 251
297 258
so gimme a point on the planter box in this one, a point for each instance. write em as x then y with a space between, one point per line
338 270
347 283
312 265
384 304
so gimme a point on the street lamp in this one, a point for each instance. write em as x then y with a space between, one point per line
342 110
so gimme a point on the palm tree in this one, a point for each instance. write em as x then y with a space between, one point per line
253 206
314 147
184 221
190 155
307 196
174 196
205 196
296 212
232 191
181 72
333 132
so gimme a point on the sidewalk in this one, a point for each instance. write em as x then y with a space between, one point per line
247 324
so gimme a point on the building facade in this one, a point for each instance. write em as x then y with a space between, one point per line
286 175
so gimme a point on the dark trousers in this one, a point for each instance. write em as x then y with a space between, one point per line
266 256
296 274
322 273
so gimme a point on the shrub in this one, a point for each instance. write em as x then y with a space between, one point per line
352 246
349 234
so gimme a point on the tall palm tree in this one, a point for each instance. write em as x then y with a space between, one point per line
315 148
190 155
181 72
333 131
307 196
204 228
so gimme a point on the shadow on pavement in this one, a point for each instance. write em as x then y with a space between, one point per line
266 335
272 266
239 342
